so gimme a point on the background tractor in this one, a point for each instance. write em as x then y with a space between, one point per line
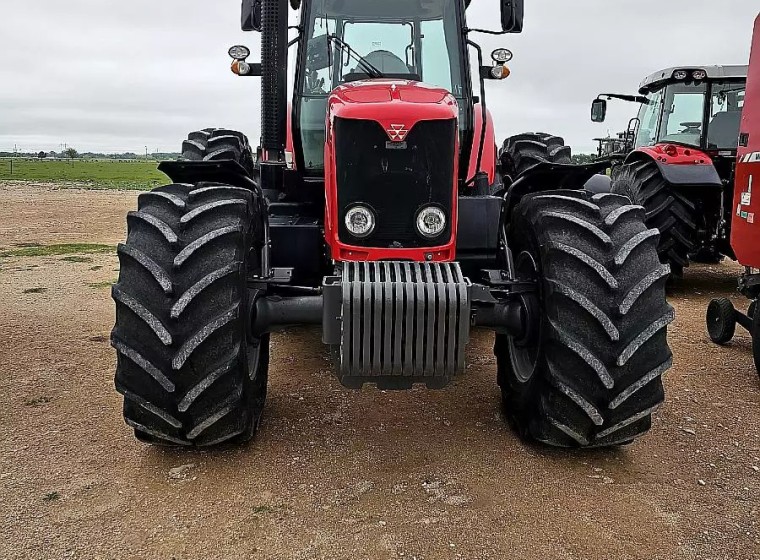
722 318
680 162
378 207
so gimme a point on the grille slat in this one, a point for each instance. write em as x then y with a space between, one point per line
395 183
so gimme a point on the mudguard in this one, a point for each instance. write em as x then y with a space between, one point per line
548 177
221 171
680 165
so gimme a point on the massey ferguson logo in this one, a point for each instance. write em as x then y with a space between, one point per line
397 132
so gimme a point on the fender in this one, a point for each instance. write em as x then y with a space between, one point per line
550 176
230 173
488 163
680 165
221 171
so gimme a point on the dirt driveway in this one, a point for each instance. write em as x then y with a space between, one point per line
342 474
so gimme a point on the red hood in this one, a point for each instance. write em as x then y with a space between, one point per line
391 102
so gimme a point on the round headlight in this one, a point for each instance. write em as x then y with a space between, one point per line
680 75
501 55
239 52
699 75
360 221
431 221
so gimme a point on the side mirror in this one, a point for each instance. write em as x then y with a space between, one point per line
250 19
599 110
512 15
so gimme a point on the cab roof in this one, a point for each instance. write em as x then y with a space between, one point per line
662 77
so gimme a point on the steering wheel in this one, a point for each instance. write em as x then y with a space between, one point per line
692 127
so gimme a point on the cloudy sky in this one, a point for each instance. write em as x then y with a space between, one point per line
120 76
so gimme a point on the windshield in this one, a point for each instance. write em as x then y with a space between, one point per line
407 39
412 40
649 120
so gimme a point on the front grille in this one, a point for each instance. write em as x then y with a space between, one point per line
395 183
403 323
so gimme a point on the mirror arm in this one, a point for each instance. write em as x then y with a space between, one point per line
297 38
467 30
623 97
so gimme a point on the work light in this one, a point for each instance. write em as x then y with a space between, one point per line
501 56
239 52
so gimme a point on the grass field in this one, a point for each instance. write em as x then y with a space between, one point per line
96 174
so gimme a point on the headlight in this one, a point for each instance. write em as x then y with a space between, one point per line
360 221
680 75
431 221
699 75
501 55
239 52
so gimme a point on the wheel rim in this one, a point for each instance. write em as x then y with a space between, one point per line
524 353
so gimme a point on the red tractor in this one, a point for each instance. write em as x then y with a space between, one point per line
679 158
378 208
745 233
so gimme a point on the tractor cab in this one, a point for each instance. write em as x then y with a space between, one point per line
347 42
691 107
699 108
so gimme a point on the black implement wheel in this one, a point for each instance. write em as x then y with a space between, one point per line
667 210
189 369
591 375
215 144
520 153
721 320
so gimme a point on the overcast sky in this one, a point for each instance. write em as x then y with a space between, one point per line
114 76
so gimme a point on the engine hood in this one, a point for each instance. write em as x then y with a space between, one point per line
391 102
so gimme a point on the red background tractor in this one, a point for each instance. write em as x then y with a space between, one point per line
745 234
680 158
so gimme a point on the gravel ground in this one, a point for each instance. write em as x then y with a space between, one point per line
336 473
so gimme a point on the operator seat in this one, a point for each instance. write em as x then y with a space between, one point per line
387 62
724 130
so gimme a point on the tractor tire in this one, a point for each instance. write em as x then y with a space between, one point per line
189 369
721 321
520 153
667 210
215 144
591 374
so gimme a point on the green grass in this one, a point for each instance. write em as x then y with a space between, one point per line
30 250
94 174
